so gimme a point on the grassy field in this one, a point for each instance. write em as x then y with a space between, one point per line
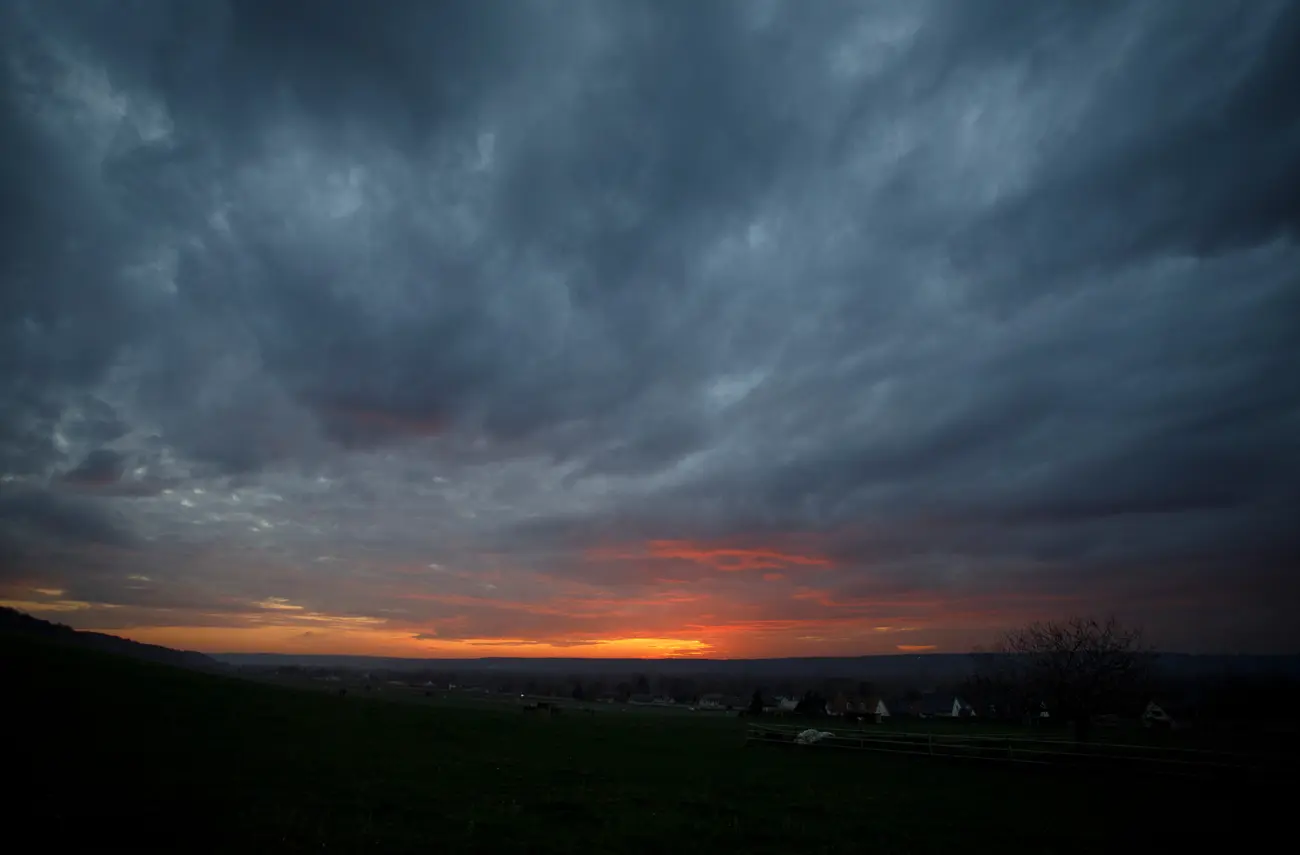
111 753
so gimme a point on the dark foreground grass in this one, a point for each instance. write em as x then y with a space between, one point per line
115 754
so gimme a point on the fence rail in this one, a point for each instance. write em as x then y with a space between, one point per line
1023 751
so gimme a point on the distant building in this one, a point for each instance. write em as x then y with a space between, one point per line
869 708
940 705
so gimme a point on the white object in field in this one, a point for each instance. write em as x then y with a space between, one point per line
811 735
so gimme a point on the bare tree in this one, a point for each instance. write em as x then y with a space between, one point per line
1080 666
994 686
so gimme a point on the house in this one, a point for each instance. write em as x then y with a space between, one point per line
856 708
940 705
869 708
784 704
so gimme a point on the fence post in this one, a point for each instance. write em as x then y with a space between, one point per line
1011 749
930 739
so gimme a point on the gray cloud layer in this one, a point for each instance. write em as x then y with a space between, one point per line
964 288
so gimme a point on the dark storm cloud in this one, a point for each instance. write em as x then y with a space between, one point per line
101 466
30 518
1197 154
955 287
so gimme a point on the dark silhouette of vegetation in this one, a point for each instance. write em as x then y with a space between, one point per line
813 703
994 690
1079 668
756 703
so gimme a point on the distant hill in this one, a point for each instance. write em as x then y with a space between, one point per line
14 622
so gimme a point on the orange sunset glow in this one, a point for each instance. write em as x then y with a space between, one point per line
736 607
380 642
690 330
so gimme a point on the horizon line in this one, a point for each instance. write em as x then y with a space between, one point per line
690 658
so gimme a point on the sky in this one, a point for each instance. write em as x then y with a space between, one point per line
592 328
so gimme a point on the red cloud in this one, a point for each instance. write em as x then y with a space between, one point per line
726 559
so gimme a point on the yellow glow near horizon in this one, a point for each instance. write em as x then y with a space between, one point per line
366 641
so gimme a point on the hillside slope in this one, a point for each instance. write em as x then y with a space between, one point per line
14 622
118 753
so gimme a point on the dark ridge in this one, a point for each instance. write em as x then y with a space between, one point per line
14 622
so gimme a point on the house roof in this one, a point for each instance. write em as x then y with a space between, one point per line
939 704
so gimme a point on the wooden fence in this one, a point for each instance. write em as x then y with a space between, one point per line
1099 756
